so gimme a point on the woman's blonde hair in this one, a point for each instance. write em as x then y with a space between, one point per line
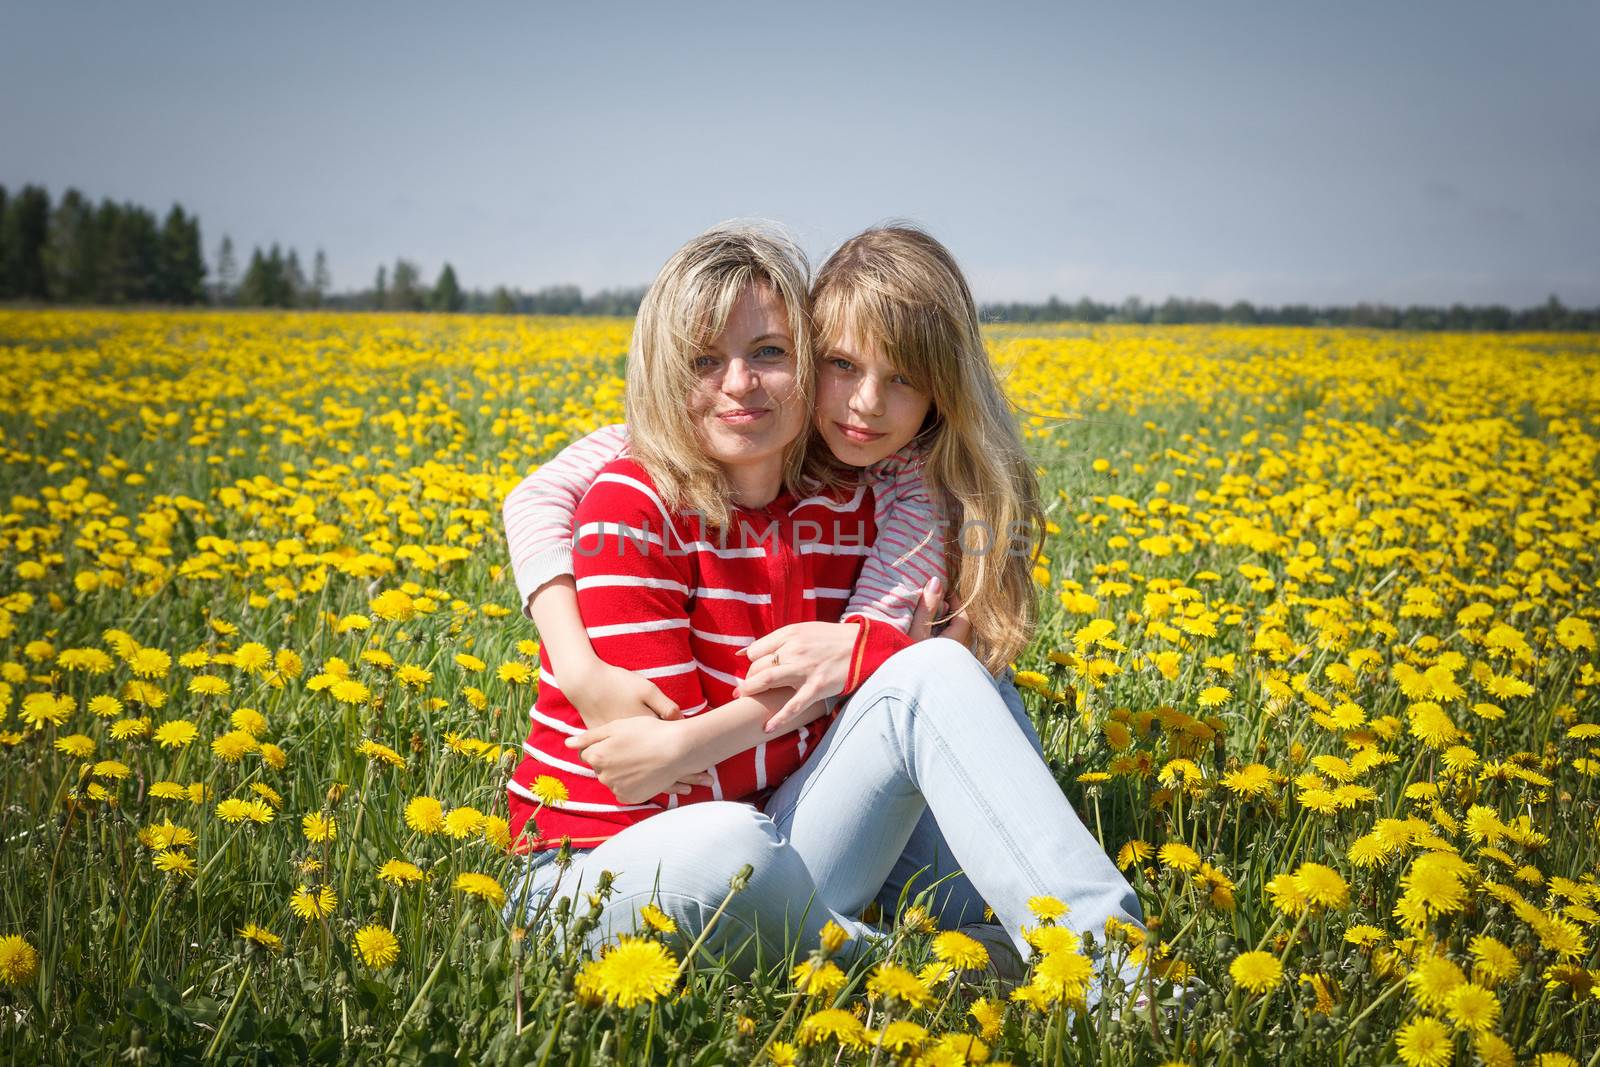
684 310
901 289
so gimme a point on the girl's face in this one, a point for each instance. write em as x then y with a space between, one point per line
866 410
746 405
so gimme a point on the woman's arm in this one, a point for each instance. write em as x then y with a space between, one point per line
538 516
638 758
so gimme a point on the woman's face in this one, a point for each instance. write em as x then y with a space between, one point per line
747 406
866 410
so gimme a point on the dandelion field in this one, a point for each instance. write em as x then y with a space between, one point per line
1318 665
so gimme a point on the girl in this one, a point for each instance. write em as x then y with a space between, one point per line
928 751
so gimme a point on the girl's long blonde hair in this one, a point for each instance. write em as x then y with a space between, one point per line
898 287
684 310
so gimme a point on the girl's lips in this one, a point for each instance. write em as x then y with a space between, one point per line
742 416
857 434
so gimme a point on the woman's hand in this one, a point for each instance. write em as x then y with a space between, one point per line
603 693
811 657
638 757
930 606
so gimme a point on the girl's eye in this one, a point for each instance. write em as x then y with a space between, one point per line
842 363
900 379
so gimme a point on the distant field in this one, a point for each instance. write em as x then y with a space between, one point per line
1319 665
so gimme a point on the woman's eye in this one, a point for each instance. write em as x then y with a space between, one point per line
770 352
705 362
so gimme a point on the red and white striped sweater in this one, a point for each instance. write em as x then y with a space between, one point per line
661 596
909 549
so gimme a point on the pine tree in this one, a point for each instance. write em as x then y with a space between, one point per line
320 281
5 278
294 280
380 291
72 254
181 269
23 234
405 288
227 272
446 295
254 290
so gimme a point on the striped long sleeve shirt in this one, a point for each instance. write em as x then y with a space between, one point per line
908 552
662 596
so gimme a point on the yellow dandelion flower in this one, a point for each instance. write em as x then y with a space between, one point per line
989 1016
176 734
249 720
481 886
424 815
658 920
178 863
399 873
1047 908
817 979
377 946
634 971
349 691
232 746
149 663
463 822
318 827
311 903
960 951
19 960
1256 972
1063 976
78 746
1424 1042
891 981
832 1025
1472 1007
260 935
549 791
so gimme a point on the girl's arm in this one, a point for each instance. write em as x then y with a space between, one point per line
538 516
908 552
538 512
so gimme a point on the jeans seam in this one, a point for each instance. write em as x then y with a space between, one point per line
855 721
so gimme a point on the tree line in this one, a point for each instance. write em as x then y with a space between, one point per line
1551 315
79 252
74 251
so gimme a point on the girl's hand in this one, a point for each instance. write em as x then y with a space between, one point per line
932 605
638 757
811 657
603 693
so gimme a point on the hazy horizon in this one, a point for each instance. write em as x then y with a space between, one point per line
1427 153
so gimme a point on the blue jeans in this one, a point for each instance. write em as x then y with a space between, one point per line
932 764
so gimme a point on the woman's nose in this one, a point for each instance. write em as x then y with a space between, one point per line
739 378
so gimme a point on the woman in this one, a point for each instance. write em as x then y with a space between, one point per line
926 744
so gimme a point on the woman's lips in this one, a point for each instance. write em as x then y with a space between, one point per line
857 434
742 416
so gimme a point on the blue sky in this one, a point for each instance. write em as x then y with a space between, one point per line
1414 152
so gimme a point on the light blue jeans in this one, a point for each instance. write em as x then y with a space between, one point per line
932 767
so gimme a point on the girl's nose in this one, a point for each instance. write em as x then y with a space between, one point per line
867 398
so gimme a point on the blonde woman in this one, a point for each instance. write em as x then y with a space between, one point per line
932 763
